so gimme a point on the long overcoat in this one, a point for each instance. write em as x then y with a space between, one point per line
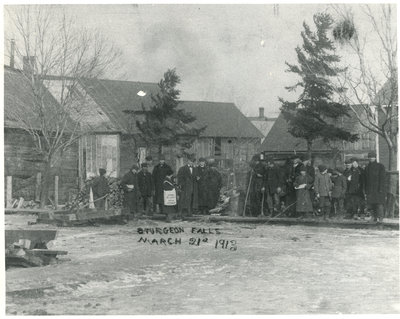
304 203
202 182
145 181
375 183
130 195
339 186
214 182
274 179
159 174
187 181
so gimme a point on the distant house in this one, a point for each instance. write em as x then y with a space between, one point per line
112 109
281 144
262 123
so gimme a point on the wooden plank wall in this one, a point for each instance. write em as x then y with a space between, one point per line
21 162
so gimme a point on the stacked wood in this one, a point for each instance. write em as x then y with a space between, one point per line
28 248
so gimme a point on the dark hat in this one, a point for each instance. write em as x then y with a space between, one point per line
202 159
144 165
169 171
102 171
372 154
162 157
149 158
256 157
354 159
134 166
339 169
321 168
330 170
303 169
347 161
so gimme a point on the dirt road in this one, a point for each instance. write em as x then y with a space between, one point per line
275 270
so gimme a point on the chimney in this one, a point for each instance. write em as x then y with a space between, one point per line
12 54
261 112
29 64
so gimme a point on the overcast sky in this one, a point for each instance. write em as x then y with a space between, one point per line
230 53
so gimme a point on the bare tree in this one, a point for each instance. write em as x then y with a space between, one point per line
56 55
371 88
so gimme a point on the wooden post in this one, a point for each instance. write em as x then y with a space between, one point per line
38 186
9 192
56 191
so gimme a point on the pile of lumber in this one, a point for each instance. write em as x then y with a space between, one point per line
81 217
28 248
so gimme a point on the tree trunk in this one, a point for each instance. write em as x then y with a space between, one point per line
392 204
46 181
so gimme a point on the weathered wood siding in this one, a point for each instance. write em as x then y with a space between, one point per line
23 163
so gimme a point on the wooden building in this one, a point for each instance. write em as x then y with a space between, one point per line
112 109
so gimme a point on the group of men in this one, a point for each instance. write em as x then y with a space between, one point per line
298 189
198 187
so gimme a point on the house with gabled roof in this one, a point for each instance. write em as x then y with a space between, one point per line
281 144
112 109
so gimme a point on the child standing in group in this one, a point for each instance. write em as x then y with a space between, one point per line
338 192
170 199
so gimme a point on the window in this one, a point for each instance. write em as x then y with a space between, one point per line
99 151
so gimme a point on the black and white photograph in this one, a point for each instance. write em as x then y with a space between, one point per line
200 159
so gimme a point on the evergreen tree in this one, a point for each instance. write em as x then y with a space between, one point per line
165 123
315 112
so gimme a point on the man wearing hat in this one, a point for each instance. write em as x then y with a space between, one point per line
323 188
129 183
355 193
159 173
338 192
375 187
256 184
202 183
214 185
100 189
146 188
295 171
187 181
274 185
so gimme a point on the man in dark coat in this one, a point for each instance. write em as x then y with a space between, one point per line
274 186
295 171
159 173
375 187
130 186
355 192
187 182
214 185
257 186
146 188
100 189
202 182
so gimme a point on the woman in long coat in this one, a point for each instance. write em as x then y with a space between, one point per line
303 184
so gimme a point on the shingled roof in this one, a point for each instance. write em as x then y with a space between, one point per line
279 140
117 97
18 99
221 119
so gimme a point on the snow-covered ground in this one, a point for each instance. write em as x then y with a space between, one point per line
273 270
